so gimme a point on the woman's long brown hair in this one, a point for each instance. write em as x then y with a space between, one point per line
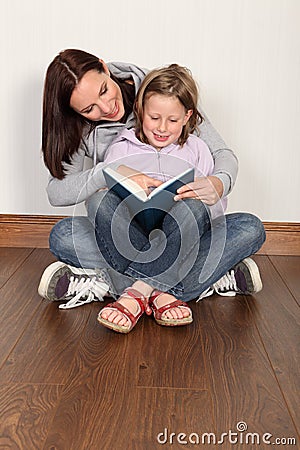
62 127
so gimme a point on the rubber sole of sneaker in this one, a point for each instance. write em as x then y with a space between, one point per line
48 275
255 275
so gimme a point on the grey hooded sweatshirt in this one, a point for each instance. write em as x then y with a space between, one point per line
80 182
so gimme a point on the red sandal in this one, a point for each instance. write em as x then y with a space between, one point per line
159 312
143 304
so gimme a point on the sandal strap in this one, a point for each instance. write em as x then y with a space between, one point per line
140 298
158 312
116 305
136 295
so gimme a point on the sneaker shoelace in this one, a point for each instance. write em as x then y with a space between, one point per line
225 286
84 290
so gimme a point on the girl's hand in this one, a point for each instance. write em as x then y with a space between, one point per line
140 178
207 189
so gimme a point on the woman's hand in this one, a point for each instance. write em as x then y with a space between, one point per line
140 178
207 189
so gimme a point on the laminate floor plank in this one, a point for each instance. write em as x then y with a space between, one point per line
20 300
172 356
26 412
278 321
103 406
243 385
98 397
67 383
45 351
289 269
162 414
10 260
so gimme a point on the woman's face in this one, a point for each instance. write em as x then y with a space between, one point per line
98 97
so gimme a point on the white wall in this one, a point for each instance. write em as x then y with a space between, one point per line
245 55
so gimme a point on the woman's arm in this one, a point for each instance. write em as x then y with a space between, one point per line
78 184
202 188
81 182
225 161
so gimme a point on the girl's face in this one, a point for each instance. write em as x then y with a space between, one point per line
98 97
164 118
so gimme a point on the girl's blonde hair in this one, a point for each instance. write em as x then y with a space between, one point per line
172 81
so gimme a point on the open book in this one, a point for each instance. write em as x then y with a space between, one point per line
148 210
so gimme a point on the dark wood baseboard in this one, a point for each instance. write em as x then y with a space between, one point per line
26 230
32 231
283 238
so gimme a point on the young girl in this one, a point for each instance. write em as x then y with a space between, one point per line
161 146
166 113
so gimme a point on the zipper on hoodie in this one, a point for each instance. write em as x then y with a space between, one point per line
160 171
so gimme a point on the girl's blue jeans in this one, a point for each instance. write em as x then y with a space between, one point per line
184 258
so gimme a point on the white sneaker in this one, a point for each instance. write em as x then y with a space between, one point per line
244 278
62 282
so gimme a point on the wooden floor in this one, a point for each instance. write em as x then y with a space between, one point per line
68 383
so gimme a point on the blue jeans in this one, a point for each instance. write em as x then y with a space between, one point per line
186 257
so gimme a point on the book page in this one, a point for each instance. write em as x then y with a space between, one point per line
129 184
167 183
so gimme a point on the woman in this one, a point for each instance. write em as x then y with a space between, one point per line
86 104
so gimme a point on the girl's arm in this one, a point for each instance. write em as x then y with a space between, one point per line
118 154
